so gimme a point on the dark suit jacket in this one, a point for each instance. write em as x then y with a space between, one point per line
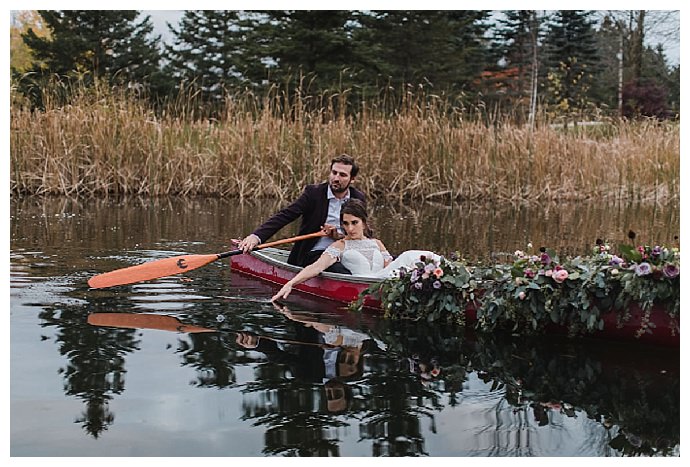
312 206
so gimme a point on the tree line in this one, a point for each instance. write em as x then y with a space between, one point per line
570 63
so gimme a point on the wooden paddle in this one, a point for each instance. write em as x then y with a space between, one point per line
175 265
167 323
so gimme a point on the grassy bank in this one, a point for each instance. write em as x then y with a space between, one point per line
105 143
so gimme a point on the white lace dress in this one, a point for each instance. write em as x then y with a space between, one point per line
365 258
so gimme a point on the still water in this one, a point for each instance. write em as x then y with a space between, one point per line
205 365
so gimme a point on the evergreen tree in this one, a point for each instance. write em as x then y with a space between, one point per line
606 82
571 60
517 40
316 45
208 51
444 49
104 43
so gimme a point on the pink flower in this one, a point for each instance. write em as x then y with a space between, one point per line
438 272
522 295
560 275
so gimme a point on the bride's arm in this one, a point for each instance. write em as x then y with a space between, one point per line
313 270
387 258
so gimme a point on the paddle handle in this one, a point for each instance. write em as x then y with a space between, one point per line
320 233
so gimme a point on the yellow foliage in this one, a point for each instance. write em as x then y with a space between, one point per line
21 58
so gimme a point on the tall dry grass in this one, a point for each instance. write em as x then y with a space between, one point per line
107 143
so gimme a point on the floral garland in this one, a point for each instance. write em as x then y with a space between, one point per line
538 290
432 290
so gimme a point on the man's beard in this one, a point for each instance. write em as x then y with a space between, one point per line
337 188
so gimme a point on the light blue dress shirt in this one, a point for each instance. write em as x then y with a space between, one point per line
333 218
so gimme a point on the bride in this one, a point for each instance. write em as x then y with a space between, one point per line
357 251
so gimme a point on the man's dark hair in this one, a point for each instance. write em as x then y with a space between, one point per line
347 160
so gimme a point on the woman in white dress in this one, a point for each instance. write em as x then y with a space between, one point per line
361 254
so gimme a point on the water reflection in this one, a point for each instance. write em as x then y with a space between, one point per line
309 377
143 229
393 380
95 368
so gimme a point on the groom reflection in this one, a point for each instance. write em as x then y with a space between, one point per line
321 353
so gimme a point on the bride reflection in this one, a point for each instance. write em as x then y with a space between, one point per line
323 353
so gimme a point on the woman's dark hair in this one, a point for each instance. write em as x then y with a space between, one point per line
357 208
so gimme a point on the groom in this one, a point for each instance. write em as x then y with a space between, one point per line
319 206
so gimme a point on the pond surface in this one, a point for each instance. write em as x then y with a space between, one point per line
205 365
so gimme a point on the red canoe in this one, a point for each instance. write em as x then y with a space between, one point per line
271 265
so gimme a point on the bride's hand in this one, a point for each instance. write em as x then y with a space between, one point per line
282 293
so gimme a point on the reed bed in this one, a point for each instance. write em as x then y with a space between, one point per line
105 142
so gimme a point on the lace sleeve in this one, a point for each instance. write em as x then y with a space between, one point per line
386 256
334 252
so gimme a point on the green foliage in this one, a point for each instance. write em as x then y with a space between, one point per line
110 43
571 60
539 290
207 50
315 44
445 49
84 46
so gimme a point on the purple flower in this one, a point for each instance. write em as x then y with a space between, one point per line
671 271
643 269
529 273
437 284
656 251
545 259
615 261
414 276
417 285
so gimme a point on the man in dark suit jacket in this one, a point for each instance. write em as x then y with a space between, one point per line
319 207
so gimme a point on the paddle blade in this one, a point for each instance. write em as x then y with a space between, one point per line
151 270
142 321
